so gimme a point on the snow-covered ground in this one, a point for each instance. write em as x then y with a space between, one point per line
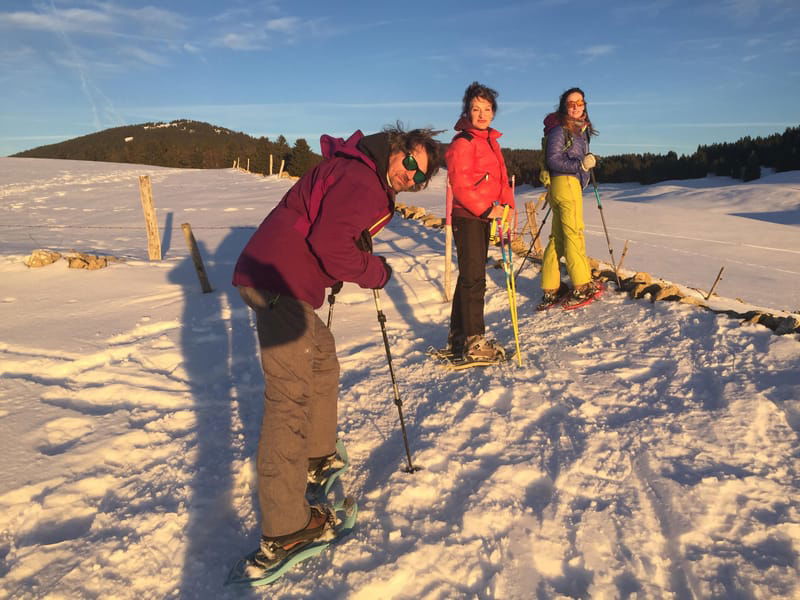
643 450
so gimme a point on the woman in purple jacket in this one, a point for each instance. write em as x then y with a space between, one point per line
568 159
319 235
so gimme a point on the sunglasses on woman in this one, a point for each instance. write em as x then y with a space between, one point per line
578 104
410 164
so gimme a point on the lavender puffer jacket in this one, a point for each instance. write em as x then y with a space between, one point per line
567 161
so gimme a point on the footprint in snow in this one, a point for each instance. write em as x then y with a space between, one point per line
62 434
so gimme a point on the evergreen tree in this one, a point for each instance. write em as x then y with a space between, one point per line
301 158
751 169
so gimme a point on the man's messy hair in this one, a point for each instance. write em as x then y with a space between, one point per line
405 142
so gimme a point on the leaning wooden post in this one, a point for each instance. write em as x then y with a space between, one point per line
716 281
622 258
150 221
196 258
280 171
530 209
448 241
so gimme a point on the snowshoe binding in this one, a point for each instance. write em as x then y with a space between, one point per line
583 295
479 352
553 298
325 470
276 556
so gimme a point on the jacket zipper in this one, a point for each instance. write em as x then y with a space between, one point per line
484 177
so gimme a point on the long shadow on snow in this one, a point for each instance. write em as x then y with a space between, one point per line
210 351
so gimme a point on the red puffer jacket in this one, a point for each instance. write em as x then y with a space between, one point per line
477 171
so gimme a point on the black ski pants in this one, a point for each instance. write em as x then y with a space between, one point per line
472 248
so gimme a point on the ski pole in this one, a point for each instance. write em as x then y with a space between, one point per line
536 237
505 250
331 300
382 320
605 229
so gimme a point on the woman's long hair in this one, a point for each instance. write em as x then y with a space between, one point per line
571 124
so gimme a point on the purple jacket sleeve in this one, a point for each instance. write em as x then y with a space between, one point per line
350 206
558 158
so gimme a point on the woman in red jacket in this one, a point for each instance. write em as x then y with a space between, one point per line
478 177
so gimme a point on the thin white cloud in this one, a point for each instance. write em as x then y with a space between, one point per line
727 124
149 16
597 51
599 143
69 20
34 138
284 24
294 106
249 13
16 56
246 40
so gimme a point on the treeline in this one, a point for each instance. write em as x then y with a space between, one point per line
198 145
741 159
183 144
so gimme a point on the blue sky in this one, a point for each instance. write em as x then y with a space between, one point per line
659 74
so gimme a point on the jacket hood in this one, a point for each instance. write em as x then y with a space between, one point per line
463 124
372 150
331 146
377 149
551 121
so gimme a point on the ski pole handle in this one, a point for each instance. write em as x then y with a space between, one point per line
504 229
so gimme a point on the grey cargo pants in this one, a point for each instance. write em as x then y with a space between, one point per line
301 372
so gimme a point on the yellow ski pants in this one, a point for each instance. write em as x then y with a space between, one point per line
566 235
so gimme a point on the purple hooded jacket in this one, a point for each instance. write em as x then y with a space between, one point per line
560 159
308 242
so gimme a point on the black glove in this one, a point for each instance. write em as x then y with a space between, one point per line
388 272
337 287
364 243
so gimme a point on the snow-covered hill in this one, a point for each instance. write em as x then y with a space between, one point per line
643 450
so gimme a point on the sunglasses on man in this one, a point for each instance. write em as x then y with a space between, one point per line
410 164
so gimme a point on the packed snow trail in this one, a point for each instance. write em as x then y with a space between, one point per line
642 448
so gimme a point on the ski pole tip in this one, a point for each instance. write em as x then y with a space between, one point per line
412 469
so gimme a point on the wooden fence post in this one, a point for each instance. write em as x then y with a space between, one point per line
280 172
448 242
248 165
716 281
622 258
530 209
196 258
150 221
270 164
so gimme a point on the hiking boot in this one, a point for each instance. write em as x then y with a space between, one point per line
455 345
478 348
272 550
320 468
583 295
551 298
